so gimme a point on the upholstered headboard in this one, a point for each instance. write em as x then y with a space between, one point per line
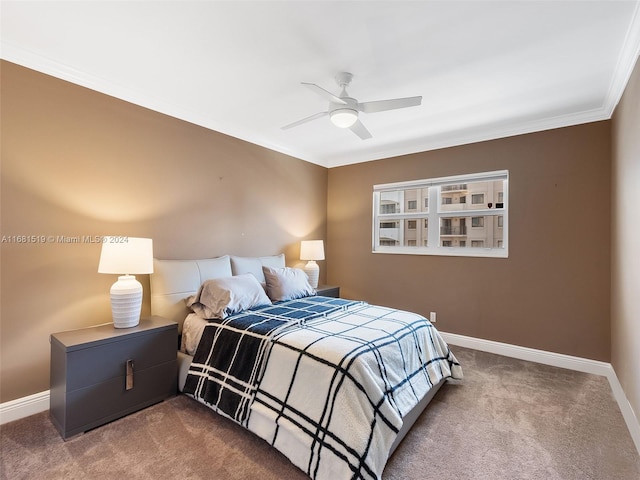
173 281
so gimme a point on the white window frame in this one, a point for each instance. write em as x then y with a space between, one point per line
434 214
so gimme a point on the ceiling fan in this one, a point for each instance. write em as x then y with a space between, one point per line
343 109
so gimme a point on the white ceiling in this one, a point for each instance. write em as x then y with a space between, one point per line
485 69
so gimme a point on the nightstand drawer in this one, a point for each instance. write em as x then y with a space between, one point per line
93 406
93 365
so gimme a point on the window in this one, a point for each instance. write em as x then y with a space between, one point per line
468 215
477 221
388 208
477 198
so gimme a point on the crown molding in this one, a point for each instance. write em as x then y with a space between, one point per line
33 61
480 135
624 67
626 63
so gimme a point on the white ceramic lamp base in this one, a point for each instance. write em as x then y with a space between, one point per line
313 272
126 302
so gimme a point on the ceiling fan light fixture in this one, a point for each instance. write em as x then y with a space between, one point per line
343 109
344 117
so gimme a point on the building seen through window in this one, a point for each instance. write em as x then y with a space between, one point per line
466 215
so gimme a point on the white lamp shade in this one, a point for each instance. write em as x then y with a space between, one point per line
312 250
121 255
126 255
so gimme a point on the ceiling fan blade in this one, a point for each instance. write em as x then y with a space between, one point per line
382 105
359 129
324 93
305 120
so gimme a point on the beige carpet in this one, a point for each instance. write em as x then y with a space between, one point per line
508 419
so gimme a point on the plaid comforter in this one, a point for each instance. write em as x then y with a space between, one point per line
230 355
325 381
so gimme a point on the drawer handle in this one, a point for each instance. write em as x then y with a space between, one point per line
129 375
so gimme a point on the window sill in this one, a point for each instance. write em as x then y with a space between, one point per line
446 252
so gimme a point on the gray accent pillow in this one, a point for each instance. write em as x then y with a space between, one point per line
223 297
286 283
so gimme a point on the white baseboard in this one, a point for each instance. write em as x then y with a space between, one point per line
531 354
23 407
39 402
633 424
579 364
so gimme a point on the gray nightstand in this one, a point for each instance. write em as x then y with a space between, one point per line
101 373
328 291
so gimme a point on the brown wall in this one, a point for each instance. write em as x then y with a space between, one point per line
76 162
625 242
552 293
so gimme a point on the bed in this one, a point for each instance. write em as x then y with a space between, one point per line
334 384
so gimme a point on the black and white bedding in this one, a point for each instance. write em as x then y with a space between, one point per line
329 383
326 381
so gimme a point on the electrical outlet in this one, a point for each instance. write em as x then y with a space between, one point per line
432 317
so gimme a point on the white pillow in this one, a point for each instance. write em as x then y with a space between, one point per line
287 283
223 297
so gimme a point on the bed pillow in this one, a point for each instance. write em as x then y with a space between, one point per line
223 297
286 283
240 265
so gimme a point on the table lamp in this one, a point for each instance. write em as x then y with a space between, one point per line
312 250
124 256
